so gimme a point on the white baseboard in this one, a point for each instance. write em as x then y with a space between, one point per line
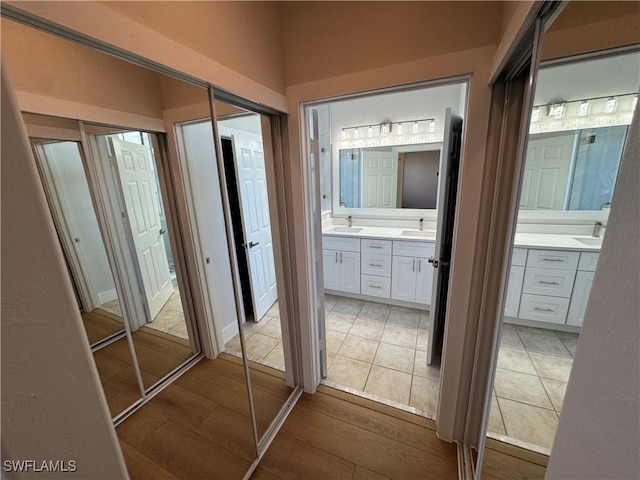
229 332
107 296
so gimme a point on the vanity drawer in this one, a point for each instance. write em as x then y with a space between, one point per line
544 309
588 261
375 264
376 246
345 244
375 286
557 259
547 281
519 256
413 249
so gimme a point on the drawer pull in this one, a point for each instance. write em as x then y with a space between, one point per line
375 246
375 264
538 309
544 282
377 287
553 259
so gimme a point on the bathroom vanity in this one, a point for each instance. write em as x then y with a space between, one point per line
386 265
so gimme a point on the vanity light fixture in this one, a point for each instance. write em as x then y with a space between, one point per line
356 133
343 135
385 128
399 128
557 110
370 131
432 126
634 103
536 114
414 128
584 107
610 105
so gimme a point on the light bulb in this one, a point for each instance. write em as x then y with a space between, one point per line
356 133
536 114
384 129
584 108
414 128
634 103
399 128
610 105
558 110
343 134
432 126
370 132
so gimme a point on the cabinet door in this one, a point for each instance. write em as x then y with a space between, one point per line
403 278
330 267
580 298
349 272
514 290
424 281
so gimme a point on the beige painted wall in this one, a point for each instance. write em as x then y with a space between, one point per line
244 36
52 402
328 39
590 26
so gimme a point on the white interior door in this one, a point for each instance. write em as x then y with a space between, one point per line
380 174
256 225
446 208
546 172
136 179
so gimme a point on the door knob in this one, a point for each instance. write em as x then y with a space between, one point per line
253 244
433 261
162 231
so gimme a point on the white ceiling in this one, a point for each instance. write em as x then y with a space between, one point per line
591 79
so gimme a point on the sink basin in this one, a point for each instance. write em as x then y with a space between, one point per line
345 229
592 242
416 233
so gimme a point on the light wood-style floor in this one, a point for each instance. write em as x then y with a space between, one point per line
100 324
198 427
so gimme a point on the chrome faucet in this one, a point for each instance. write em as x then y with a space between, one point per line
350 221
597 228
421 224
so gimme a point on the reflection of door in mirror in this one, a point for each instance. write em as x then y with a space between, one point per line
572 170
71 205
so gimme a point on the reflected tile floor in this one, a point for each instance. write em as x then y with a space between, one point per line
531 380
263 340
380 351
171 319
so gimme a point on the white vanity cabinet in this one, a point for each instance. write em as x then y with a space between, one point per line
375 267
514 285
582 288
549 286
341 264
412 274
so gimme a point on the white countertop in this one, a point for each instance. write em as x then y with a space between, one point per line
527 240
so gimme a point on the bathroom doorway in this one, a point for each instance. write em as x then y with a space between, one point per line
383 165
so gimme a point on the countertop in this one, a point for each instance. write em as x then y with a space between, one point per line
526 240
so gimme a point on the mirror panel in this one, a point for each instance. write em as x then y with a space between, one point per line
250 190
138 185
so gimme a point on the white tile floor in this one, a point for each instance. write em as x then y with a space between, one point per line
531 380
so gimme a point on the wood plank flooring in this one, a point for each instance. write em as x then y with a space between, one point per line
198 427
100 324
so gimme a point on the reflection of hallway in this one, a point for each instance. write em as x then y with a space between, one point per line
264 340
169 320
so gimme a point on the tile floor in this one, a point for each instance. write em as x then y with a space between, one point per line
379 351
169 320
531 380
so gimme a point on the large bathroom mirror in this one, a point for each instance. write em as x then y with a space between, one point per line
379 155
124 163
389 177
578 131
